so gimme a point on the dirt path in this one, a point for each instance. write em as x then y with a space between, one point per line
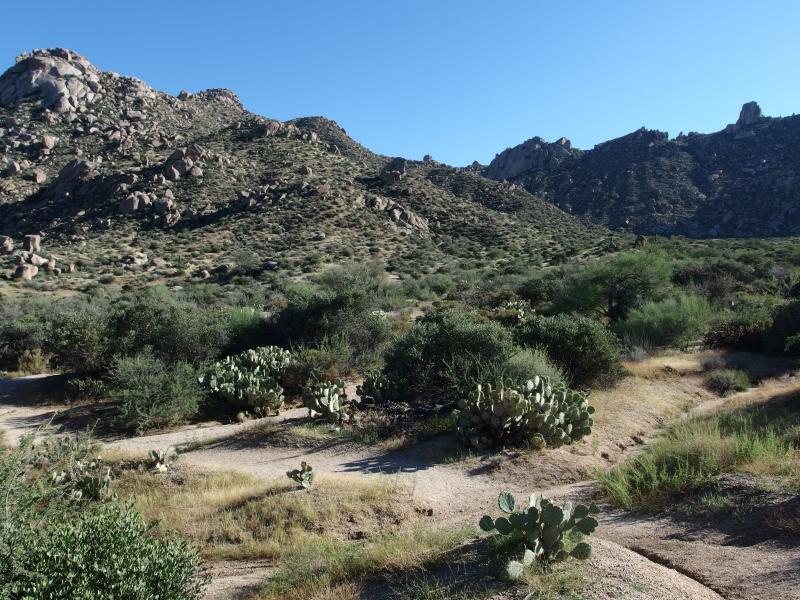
461 491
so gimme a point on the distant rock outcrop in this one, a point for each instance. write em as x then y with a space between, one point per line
741 181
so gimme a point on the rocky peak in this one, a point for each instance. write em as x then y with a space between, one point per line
63 80
750 113
219 95
535 153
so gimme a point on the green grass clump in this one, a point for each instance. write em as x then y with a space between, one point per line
763 439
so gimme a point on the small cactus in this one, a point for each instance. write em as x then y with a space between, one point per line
304 475
328 400
158 460
540 528
376 389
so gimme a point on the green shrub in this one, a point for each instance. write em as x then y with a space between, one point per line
313 315
612 286
19 333
670 322
101 552
174 330
588 353
727 381
151 393
56 544
445 352
330 360
780 338
246 328
744 327
80 341
528 363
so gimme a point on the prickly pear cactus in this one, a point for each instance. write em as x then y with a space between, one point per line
536 415
159 460
328 400
540 528
376 389
304 475
250 380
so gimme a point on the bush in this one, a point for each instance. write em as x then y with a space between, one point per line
174 330
106 551
329 361
727 381
313 315
588 353
446 352
151 393
56 544
80 342
527 363
614 285
246 328
20 333
671 322
744 327
781 337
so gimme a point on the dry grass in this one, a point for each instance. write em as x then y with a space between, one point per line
235 516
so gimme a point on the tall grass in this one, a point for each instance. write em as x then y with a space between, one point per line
761 439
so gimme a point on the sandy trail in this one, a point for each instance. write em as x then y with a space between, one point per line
462 491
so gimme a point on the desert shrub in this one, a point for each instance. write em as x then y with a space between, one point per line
743 327
527 363
444 352
174 330
326 362
670 322
80 341
588 353
313 315
727 381
246 328
20 333
782 336
56 544
612 286
151 393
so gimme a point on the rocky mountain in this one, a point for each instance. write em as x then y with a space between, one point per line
743 181
113 180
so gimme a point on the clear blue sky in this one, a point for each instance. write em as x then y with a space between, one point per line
458 79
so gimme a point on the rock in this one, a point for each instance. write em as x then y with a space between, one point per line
32 243
196 171
38 176
183 165
6 244
394 170
136 259
37 260
184 95
50 264
163 205
14 169
48 142
71 268
750 114
427 158
306 170
129 204
535 153
171 173
391 176
26 272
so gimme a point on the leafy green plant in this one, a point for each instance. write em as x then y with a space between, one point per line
536 415
670 322
587 352
539 529
328 400
250 380
727 381
304 475
151 394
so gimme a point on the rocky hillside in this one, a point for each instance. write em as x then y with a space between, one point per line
743 181
119 180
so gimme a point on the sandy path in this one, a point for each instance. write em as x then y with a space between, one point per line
462 491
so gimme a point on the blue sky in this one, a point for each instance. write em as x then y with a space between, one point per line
460 80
